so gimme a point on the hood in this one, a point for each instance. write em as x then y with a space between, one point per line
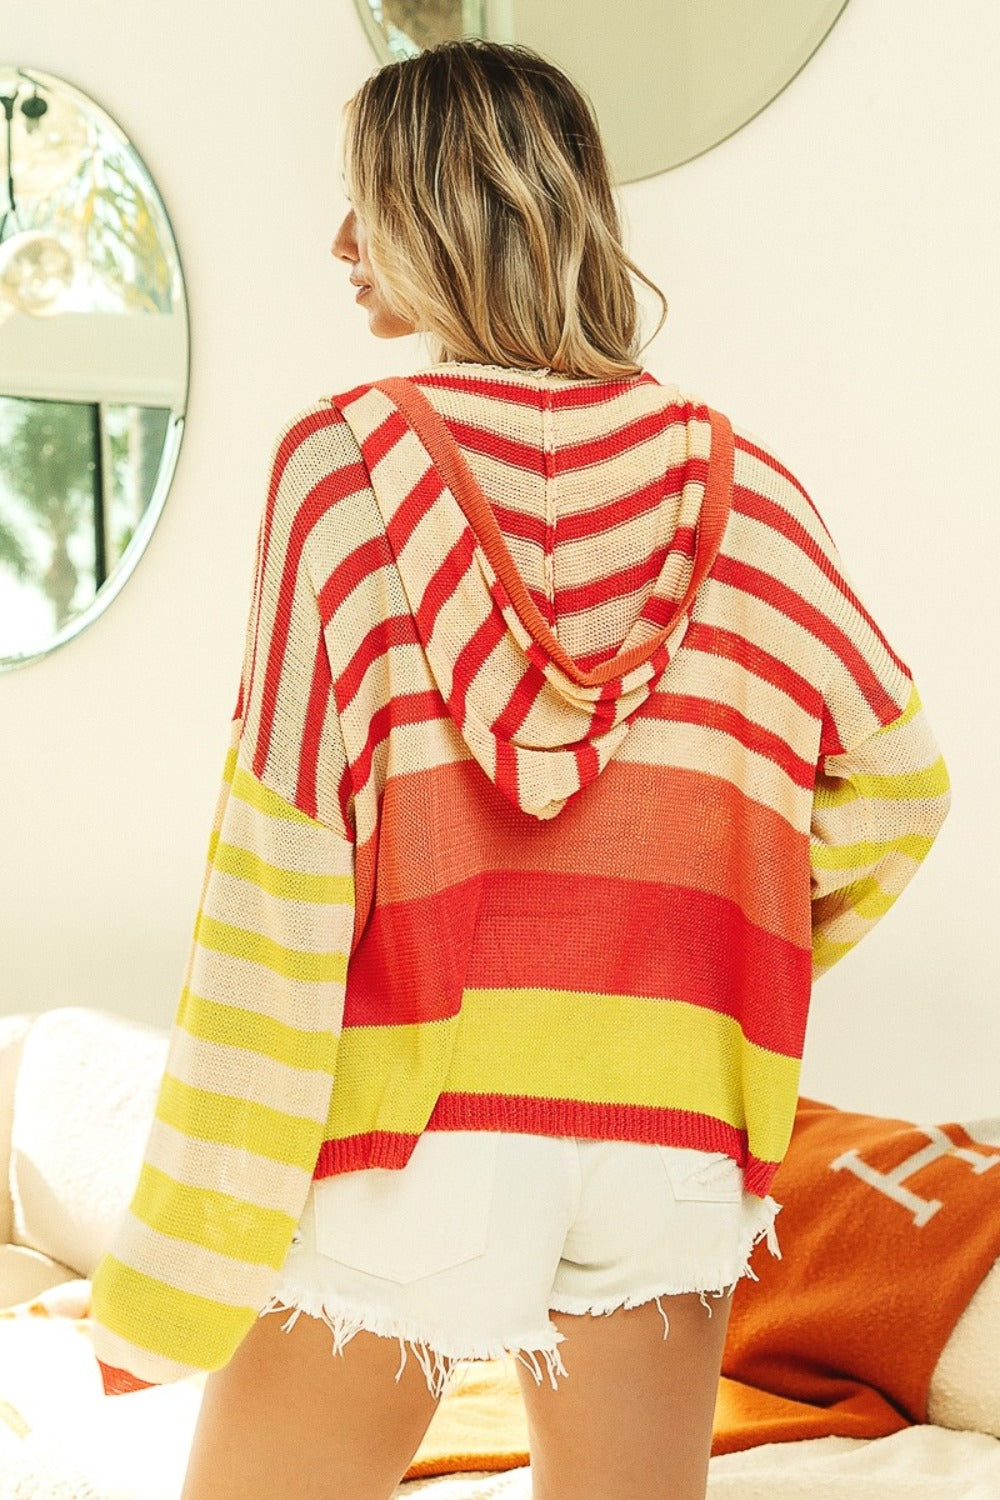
541 725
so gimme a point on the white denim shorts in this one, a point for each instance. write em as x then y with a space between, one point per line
463 1252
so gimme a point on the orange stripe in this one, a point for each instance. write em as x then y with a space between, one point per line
589 837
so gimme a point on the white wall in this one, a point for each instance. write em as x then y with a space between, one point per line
830 272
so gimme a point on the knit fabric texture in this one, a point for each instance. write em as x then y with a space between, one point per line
565 759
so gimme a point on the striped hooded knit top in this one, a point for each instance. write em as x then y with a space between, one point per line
565 758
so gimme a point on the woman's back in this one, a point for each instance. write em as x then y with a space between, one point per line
643 883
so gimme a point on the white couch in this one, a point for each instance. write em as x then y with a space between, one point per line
77 1092
78 1088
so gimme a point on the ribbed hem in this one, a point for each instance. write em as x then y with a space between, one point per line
523 1114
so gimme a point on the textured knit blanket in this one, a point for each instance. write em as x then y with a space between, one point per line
887 1231
61 1438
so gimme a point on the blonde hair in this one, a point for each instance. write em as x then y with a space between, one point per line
478 173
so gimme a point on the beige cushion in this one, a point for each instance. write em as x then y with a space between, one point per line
13 1030
964 1392
25 1273
83 1105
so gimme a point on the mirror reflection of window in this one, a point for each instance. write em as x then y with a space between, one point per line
93 361
75 481
668 79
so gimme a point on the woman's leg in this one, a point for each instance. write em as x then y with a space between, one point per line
633 1418
288 1417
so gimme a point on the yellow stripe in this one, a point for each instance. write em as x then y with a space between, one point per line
182 1326
389 1077
908 786
868 851
254 947
231 1026
229 769
826 952
290 885
212 1220
553 1044
865 898
248 789
291 1139
913 707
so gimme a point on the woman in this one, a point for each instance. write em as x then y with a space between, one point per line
541 813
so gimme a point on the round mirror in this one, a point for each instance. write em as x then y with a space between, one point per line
668 79
93 361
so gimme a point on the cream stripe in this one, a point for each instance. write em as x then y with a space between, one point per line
248 946
293 886
202 1163
246 1075
230 981
869 852
912 785
308 927
189 1267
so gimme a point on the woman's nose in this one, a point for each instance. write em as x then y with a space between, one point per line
344 245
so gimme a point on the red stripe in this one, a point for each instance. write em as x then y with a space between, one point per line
519 704
290 442
320 690
405 708
398 630
326 493
368 558
697 947
587 524
505 775
707 713
529 458
469 660
759 508
715 641
587 764
413 508
514 1113
521 395
445 582
383 439
780 597
745 446
614 586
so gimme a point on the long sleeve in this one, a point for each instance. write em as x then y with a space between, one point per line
877 808
246 1090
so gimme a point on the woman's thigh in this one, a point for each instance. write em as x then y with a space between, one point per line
286 1416
633 1417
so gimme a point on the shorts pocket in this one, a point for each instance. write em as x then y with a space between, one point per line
416 1221
709 1176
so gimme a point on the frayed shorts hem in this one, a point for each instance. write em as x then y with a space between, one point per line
440 1359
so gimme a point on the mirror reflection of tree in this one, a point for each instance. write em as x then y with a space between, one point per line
65 523
425 22
47 462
